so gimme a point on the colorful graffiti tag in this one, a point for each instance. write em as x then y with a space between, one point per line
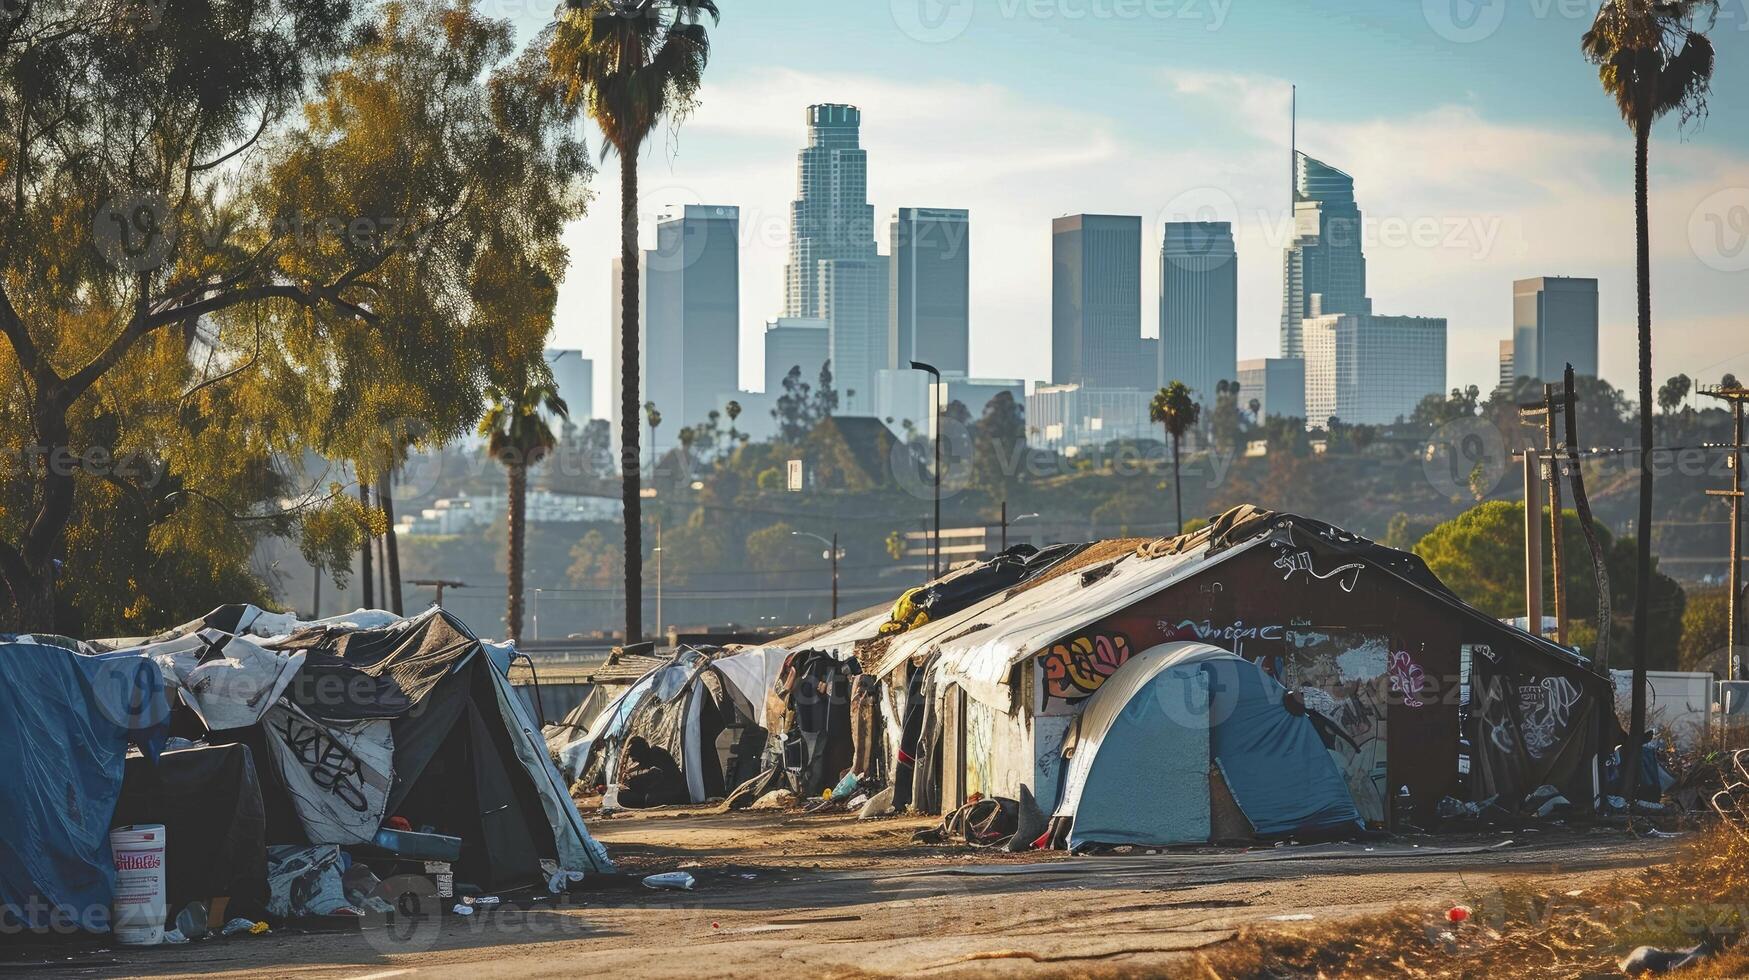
1074 668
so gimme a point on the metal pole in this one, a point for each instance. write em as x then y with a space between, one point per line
1557 549
1533 544
316 597
935 397
1734 621
834 574
1004 525
659 633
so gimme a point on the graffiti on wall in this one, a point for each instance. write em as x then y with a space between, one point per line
1075 667
1342 675
1300 562
1545 707
1407 679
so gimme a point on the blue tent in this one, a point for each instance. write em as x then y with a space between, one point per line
65 724
1145 743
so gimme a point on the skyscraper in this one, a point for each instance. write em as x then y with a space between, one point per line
574 376
1199 306
931 287
1366 369
835 272
830 218
692 310
1096 302
1554 323
1323 269
1508 368
795 342
1278 384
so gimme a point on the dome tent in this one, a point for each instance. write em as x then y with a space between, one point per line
1145 749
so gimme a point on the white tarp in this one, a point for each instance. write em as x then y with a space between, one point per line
753 672
229 681
338 775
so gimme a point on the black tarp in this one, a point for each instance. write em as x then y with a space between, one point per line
209 800
1531 725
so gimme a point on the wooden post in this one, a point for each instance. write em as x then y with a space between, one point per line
1533 543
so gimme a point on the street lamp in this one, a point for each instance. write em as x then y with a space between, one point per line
833 554
650 493
935 394
1006 522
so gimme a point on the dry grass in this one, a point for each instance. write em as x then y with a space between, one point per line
1520 931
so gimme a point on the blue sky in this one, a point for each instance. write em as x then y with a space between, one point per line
1481 146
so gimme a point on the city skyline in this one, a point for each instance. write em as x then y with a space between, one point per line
1494 186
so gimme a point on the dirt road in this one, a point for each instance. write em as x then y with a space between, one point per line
836 897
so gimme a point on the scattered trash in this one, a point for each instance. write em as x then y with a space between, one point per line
1650 959
191 921
856 802
174 937
688 864
1457 913
1294 917
461 909
777 799
562 880
482 901
1545 801
241 927
878 805
672 880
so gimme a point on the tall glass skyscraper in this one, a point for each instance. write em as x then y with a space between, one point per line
830 218
1096 303
931 287
692 312
1324 269
1199 306
1554 323
835 272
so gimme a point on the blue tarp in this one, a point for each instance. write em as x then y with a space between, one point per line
65 724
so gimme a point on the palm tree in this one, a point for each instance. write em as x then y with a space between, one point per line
630 64
1173 408
1652 61
519 436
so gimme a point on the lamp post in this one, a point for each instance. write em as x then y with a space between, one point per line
1006 522
650 493
935 406
833 554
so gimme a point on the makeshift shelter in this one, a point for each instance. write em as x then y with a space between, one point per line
349 727
65 724
1366 636
704 709
1187 743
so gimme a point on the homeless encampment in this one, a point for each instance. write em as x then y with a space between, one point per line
65 724
1397 670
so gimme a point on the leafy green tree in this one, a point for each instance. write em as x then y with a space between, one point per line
775 549
998 445
520 436
1705 631
1175 411
596 562
630 64
1672 393
1651 61
201 275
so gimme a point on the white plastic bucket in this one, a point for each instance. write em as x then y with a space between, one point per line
139 884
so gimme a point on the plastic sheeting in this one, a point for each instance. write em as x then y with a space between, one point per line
1139 773
65 721
338 775
229 681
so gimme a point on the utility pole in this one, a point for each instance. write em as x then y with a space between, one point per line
1547 472
1533 544
833 554
1736 396
936 395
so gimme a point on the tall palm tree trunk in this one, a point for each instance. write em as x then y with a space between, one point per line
629 402
518 527
392 548
1177 487
364 572
1643 564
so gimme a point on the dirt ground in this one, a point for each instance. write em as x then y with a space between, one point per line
834 896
